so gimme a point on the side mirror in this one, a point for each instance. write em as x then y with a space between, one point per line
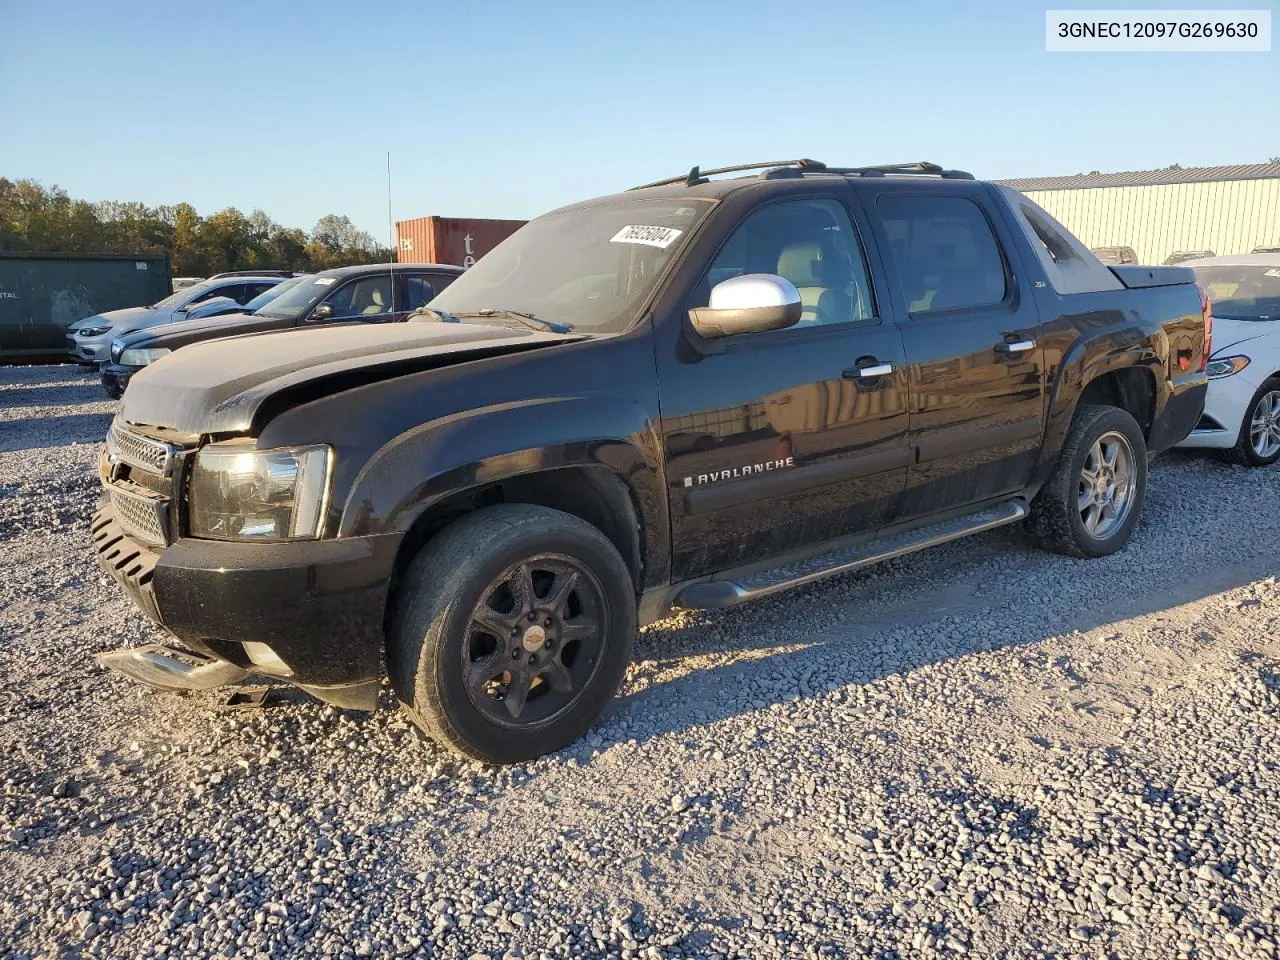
323 312
751 303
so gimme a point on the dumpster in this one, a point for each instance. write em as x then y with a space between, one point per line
42 293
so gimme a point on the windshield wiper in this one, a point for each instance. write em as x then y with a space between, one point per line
528 319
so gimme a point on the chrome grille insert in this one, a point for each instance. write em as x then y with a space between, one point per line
140 513
144 453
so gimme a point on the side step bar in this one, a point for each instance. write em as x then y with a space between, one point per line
718 594
168 669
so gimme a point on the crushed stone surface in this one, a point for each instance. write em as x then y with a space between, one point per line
980 750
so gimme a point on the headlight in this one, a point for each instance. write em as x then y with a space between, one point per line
1225 367
240 493
139 357
92 331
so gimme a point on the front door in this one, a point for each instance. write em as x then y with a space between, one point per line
790 438
976 371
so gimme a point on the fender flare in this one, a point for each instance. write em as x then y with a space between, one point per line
1078 369
488 444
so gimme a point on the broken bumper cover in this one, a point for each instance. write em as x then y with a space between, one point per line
307 612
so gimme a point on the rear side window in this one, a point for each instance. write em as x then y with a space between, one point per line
943 252
418 291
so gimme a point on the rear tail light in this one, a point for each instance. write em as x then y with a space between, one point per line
1206 309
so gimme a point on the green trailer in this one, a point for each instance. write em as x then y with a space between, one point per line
42 293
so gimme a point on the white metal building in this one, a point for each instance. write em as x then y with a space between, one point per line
1228 210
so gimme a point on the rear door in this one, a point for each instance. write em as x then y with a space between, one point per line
975 368
781 440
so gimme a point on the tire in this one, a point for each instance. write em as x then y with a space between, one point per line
1251 450
1060 515
511 689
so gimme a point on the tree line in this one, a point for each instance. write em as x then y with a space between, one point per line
45 219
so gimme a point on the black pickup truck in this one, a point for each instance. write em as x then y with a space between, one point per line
693 393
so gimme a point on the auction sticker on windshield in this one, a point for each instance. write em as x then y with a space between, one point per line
650 236
324 281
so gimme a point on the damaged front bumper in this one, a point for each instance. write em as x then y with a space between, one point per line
309 613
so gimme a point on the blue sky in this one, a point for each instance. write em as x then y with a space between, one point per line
507 109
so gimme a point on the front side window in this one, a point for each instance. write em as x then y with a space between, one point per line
366 297
812 244
943 252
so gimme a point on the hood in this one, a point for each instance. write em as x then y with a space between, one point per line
219 386
182 332
116 319
1228 334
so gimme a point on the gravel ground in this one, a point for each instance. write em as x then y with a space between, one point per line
982 750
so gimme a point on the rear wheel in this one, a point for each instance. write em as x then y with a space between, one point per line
1091 503
512 632
1259 442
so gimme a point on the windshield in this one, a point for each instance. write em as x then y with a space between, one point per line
1245 292
589 267
266 296
185 295
300 298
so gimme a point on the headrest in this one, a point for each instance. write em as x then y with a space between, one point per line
801 263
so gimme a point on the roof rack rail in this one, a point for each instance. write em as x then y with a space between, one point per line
697 175
918 168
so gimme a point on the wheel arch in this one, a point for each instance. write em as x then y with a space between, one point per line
597 458
1129 378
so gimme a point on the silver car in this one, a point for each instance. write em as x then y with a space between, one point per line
89 340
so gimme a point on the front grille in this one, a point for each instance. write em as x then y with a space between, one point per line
140 513
141 452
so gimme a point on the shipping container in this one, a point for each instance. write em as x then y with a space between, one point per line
459 241
41 294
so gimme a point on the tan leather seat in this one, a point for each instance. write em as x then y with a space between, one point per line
821 280
375 304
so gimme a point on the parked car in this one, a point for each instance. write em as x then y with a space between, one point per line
282 274
1266 250
881 358
1242 410
1116 255
1179 256
376 293
217 306
89 340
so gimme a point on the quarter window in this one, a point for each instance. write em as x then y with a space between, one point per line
943 251
812 244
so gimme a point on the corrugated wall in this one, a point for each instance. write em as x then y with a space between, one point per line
1225 216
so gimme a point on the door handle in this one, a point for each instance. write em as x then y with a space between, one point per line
1015 346
869 372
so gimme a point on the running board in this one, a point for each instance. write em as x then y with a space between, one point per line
717 594
168 669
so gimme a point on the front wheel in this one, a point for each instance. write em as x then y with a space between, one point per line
1092 501
1259 442
511 632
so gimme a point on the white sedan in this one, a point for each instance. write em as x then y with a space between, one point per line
1242 410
